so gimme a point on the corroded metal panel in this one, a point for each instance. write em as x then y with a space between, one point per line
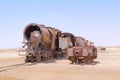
70 52
64 42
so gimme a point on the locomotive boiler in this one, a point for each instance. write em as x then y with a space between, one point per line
41 42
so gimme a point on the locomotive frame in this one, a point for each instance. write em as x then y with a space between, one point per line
45 43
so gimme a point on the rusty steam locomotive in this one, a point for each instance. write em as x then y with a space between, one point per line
45 43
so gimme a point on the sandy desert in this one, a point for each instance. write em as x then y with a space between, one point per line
105 67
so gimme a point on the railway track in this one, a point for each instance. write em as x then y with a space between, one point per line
14 66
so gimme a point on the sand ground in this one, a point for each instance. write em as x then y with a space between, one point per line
105 67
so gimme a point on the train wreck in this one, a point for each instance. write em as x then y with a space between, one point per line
45 43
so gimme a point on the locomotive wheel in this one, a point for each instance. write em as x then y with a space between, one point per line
79 61
33 59
27 59
38 58
71 58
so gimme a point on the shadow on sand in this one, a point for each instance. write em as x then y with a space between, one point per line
89 63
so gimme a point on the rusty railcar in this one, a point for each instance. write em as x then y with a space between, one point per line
83 51
81 54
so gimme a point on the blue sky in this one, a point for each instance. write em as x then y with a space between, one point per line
95 20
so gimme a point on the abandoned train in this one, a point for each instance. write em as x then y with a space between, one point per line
45 43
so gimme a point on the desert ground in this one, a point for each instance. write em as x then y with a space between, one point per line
105 67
